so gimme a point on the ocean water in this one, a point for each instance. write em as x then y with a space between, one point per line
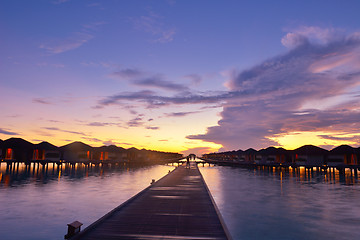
37 202
268 204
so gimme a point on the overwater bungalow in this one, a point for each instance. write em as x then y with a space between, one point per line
272 155
310 155
239 156
1 146
250 155
343 154
101 153
135 155
17 149
77 152
235 156
110 153
45 151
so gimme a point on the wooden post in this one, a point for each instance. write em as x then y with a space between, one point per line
73 228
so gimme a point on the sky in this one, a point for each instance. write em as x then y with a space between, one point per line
181 76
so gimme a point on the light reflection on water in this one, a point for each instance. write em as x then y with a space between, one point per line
36 201
269 204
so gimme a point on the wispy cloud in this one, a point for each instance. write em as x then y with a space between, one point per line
55 65
311 34
273 93
54 121
98 124
128 74
149 80
41 101
180 114
105 64
60 1
155 25
136 122
152 128
152 99
73 41
353 138
277 96
92 139
66 131
195 78
158 82
7 132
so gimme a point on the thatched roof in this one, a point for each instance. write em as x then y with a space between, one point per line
310 150
18 143
76 146
344 149
45 146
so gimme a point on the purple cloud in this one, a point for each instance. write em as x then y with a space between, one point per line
135 122
66 131
157 82
154 100
152 128
352 138
270 96
143 79
313 87
128 74
41 101
180 114
6 132
92 139
195 78
98 124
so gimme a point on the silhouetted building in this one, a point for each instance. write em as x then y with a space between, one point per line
1 150
17 149
310 155
343 154
250 155
273 155
135 155
77 152
110 153
46 151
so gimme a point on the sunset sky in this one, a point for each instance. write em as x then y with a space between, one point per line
182 76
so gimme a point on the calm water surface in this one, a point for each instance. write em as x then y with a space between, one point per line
37 202
263 204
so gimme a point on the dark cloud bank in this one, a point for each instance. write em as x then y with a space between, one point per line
275 96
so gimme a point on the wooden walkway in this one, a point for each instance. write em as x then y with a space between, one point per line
178 206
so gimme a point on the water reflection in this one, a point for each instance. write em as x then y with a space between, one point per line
15 174
266 203
37 201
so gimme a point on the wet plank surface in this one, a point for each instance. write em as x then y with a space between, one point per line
178 206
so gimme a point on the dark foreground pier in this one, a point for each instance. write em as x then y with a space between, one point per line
178 206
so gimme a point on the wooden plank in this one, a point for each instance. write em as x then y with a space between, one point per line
178 206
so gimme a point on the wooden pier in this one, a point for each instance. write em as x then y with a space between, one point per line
178 206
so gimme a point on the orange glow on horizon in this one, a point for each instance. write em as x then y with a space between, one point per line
294 140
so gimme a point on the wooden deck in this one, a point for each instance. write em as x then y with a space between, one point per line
178 206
